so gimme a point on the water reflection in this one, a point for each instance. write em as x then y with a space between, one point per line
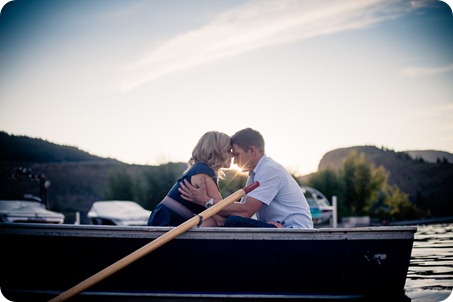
430 275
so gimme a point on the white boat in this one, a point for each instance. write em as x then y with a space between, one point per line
320 208
118 212
30 211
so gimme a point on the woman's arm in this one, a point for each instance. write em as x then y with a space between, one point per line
212 191
198 194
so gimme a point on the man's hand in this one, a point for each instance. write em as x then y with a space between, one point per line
277 224
194 194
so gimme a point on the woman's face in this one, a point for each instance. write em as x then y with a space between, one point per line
227 163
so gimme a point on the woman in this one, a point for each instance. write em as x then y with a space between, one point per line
210 157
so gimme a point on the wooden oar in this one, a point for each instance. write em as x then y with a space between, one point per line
159 241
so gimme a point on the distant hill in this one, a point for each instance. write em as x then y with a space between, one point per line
428 181
334 158
26 149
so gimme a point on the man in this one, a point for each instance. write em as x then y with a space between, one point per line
277 202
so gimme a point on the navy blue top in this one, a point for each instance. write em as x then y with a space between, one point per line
193 170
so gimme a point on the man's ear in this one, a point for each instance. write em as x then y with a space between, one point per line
252 150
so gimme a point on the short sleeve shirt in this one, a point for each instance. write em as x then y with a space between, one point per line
282 197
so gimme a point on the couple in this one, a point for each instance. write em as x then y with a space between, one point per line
278 202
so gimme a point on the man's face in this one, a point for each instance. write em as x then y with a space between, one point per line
242 158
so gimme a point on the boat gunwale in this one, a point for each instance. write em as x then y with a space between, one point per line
144 295
145 232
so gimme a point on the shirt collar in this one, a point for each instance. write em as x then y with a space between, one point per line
258 165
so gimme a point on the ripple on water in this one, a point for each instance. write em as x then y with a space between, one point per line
430 274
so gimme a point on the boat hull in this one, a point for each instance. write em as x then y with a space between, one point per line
40 262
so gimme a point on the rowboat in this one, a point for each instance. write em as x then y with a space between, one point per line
40 261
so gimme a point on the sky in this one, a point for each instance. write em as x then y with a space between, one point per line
141 81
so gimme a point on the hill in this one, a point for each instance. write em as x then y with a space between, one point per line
427 181
26 149
77 178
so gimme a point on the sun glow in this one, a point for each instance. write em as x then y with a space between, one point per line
236 168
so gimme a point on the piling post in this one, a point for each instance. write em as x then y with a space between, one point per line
334 214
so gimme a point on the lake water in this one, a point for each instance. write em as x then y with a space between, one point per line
430 275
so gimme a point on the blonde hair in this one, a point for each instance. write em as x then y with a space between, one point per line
212 149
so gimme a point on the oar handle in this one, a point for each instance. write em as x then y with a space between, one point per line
159 241
251 187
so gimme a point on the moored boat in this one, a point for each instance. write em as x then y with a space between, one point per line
41 261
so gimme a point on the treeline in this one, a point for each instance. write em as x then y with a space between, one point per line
361 188
378 182
25 149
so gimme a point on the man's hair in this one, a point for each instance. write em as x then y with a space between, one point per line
248 137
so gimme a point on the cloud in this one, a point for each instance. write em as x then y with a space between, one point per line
426 71
255 25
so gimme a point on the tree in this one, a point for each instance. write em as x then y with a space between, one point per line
159 181
329 183
362 183
121 186
353 176
326 181
395 205
363 189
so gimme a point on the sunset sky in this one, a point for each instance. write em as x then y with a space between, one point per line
141 81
